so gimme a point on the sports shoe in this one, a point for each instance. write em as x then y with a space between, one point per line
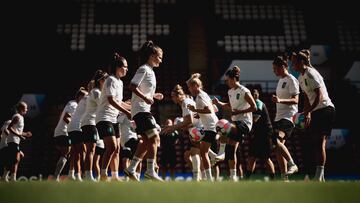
154 177
233 178
131 175
104 178
292 169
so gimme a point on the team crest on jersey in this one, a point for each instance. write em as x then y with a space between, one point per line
283 85
238 96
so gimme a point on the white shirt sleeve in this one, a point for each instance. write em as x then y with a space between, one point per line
139 76
313 80
294 86
110 87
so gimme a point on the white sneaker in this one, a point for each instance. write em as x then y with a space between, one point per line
233 178
292 169
131 175
153 176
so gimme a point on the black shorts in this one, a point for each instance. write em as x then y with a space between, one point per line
89 133
99 151
62 141
322 121
282 125
168 157
76 137
3 156
242 129
105 129
130 147
144 122
12 150
209 137
116 130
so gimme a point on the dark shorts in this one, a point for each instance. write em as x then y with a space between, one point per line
130 147
260 145
62 141
3 156
116 130
89 133
242 129
282 125
322 121
168 157
99 151
210 137
12 150
105 129
144 122
76 137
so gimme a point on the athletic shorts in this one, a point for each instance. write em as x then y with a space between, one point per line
90 133
282 125
62 141
144 122
322 121
210 136
12 150
129 149
242 129
99 151
76 137
105 129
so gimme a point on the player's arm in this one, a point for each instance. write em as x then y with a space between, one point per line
252 107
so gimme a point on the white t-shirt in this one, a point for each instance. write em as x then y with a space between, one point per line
92 103
286 88
3 141
145 79
75 123
61 127
126 133
105 111
238 102
208 120
186 111
18 127
310 81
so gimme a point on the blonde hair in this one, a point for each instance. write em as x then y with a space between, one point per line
195 79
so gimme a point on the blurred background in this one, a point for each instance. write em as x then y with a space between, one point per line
51 48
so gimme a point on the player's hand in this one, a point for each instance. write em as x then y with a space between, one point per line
275 99
215 100
28 134
158 96
191 107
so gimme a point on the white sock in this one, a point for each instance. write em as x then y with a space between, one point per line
208 174
212 154
133 164
13 177
114 174
78 176
222 148
88 174
150 166
71 173
319 172
59 166
232 173
195 163
203 175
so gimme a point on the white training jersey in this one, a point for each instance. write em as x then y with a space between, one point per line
126 133
208 120
186 111
75 123
18 127
237 101
3 141
310 81
61 127
92 103
145 79
287 87
105 111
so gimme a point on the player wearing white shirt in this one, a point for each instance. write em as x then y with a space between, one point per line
76 139
88 124
61 136
3 151
319 111
241 104
205 109
16 133
143 86
286 99
106 115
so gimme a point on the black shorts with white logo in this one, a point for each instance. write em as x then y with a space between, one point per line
242 129
282 125
90 133
144 121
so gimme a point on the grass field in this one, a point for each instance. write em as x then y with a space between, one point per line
173 192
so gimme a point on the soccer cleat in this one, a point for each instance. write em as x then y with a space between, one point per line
104 178
131 175
292 169
154 177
